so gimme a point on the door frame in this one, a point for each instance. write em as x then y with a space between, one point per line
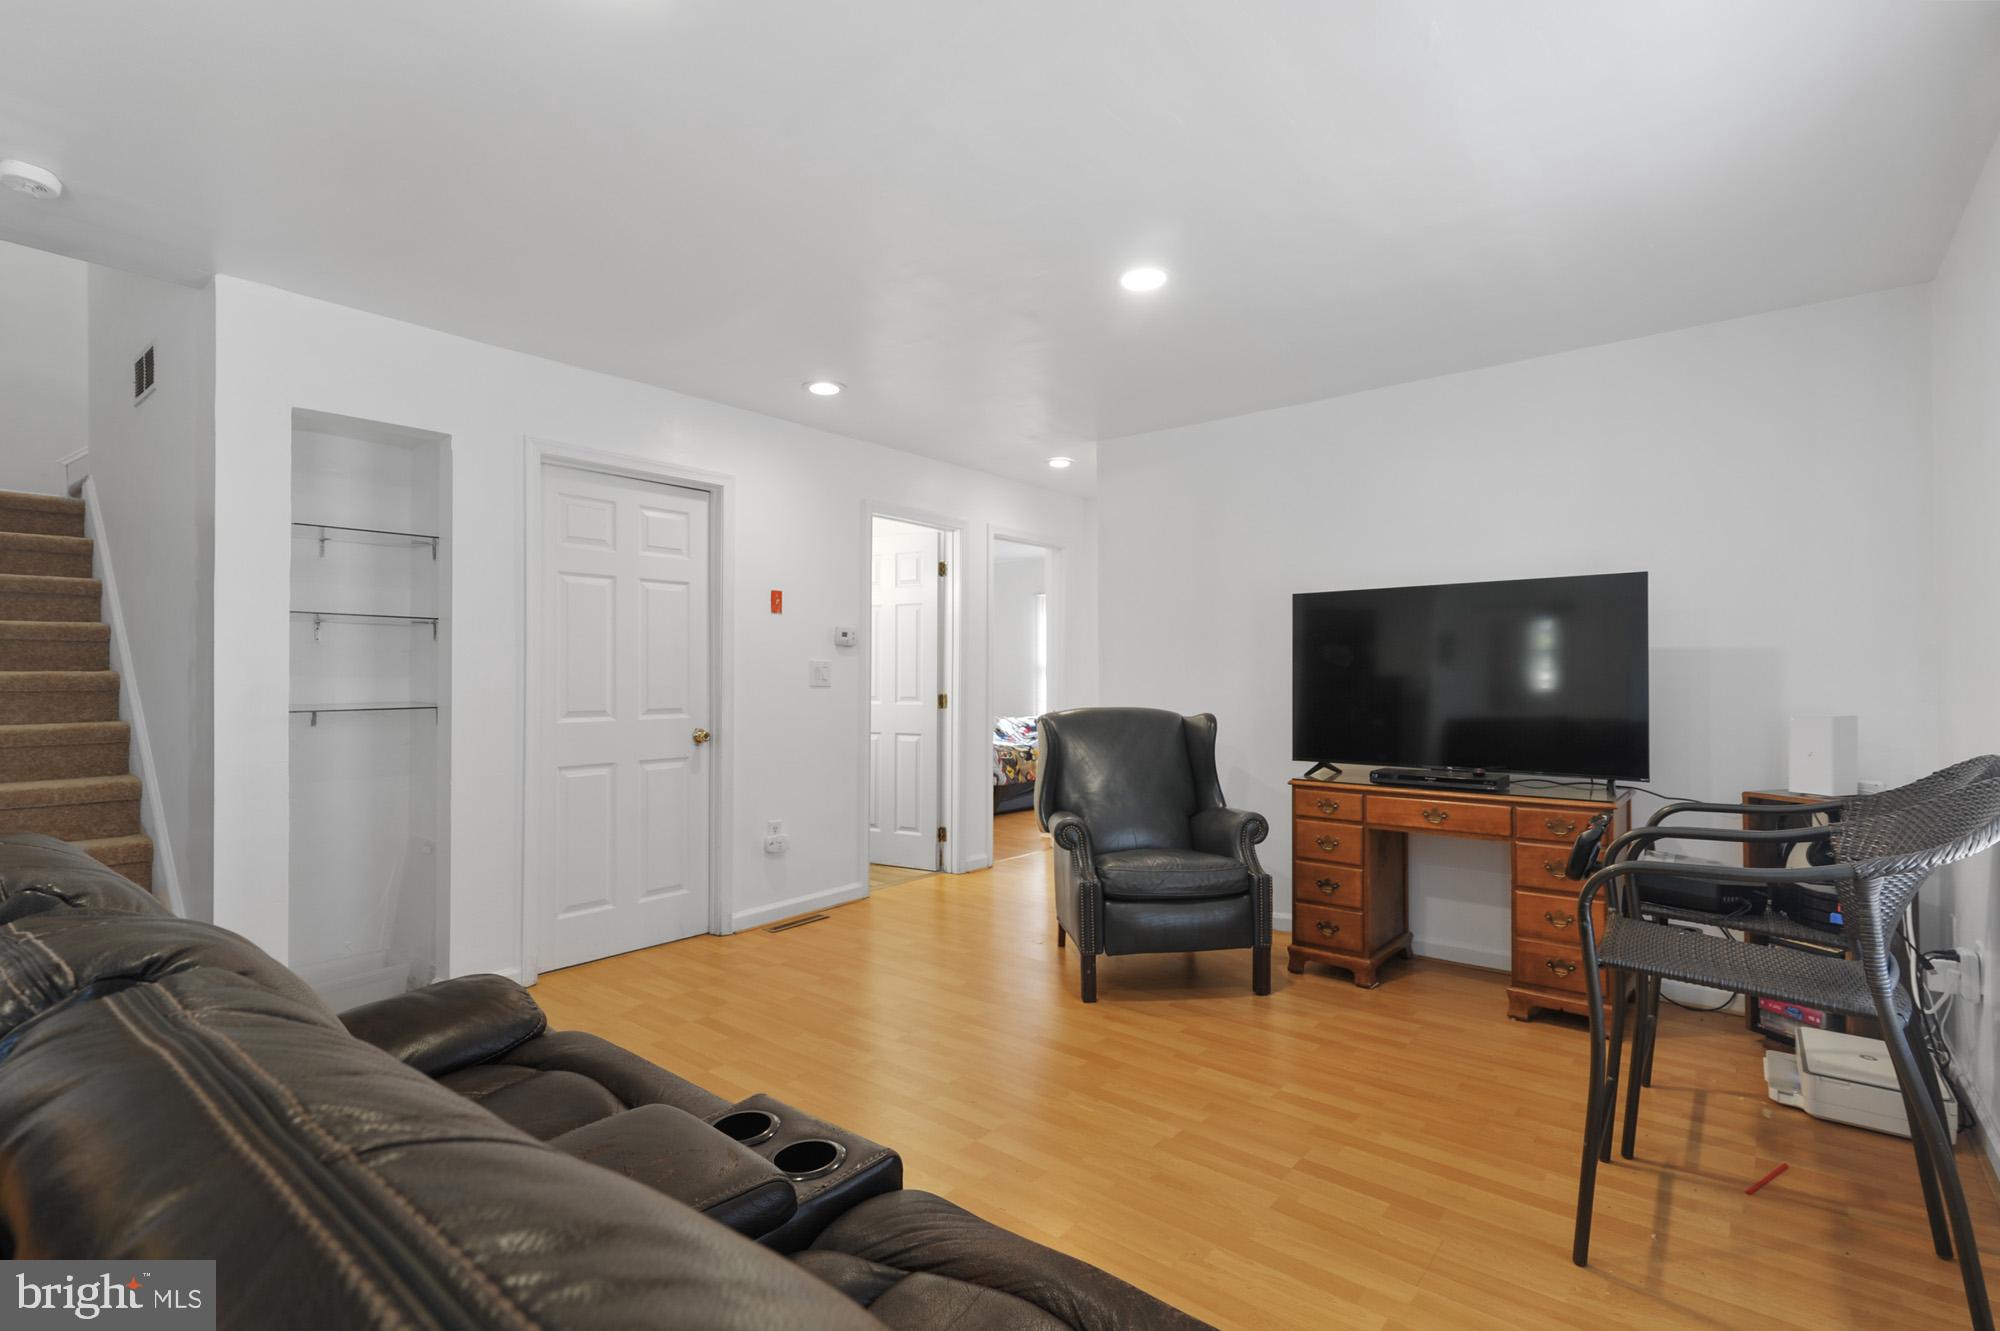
951 681
538 455
1057 603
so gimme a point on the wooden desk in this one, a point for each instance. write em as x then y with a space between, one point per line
1350 876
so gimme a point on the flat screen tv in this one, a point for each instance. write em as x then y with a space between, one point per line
1536 675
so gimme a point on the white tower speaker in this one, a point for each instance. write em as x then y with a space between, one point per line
1822 755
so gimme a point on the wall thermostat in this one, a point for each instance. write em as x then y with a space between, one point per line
845 637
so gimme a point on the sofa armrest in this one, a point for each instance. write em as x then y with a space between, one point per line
1231 832
449 1025
675 1153
1069 831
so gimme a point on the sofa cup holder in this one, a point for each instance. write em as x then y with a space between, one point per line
810 1158
749 1126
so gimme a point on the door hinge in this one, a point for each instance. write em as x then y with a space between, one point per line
940 834
941 569
944 701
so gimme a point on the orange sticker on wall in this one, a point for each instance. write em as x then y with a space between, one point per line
777 602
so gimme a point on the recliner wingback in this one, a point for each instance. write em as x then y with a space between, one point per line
1149 858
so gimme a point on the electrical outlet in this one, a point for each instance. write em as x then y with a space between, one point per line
775 827
777 844
1867 787
1972 972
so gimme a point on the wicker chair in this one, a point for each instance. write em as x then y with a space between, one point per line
1875 851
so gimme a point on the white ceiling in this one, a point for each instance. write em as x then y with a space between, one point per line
931 199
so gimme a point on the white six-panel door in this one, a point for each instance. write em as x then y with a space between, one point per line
623 859
903 730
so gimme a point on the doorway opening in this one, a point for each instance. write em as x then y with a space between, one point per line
1021 684
909 713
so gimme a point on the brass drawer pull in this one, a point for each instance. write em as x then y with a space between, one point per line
1567 827
1328 929
1566 922
1554 870
1329 806
1327 885
1435 816
1327 842
1562 969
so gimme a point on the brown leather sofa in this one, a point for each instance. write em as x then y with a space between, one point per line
441 1159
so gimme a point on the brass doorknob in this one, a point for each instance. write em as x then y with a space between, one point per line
701 737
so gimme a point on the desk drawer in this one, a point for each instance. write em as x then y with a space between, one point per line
1326 885
1328 927
1441 815
1548 965
1550 917
1317 839
1551 824
1543 865
1342 804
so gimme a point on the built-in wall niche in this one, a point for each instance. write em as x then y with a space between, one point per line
370 640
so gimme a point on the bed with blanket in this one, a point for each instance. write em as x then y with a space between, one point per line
1013 763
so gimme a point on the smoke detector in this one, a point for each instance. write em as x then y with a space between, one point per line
30 179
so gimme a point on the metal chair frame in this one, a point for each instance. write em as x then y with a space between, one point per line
1876 852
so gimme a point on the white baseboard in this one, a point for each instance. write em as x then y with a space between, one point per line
1465 954
353 981
805 905
152 813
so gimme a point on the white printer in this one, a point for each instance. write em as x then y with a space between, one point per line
1844 1079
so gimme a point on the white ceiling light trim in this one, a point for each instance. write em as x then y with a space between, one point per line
824 388
1143 279
1060 463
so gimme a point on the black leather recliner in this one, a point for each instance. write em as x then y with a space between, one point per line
440 1159
1149 857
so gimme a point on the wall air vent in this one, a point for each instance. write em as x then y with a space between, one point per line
142 377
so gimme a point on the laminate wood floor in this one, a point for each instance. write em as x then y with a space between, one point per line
1326 1157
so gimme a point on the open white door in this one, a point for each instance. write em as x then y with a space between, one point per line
624 807
903 698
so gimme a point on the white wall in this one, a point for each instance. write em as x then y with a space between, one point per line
797 500
44 398
153 470
1771 473
1965 415
1020 574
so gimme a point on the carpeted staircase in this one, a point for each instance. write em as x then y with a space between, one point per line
65 765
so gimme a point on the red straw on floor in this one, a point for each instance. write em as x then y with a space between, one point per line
1752 1189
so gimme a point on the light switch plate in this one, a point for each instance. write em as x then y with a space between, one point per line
819 674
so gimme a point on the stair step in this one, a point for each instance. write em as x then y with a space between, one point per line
130 856
65 749
43 697
76 808
47 515
45 644
34 596
57 556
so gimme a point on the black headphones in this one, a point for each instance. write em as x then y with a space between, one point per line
1583 856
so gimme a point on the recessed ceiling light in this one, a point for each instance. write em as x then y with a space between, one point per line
824 388
1059 463
1143 279
31 180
